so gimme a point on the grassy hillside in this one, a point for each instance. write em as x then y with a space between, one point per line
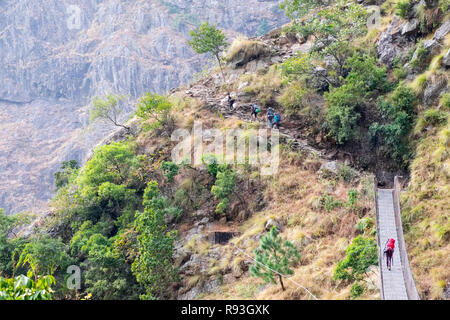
140 225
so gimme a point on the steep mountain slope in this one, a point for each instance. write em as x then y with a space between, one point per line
395 79
56 55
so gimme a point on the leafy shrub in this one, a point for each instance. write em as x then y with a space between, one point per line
346 173
352 197
445 100
170 170
212 164
342 115
345 102
157 108
403 8
68 173
360 255
153 267
398 110
329 203
419 58
400 73
24 288
434 117
365 72
223 187
366 224
356 290
44 256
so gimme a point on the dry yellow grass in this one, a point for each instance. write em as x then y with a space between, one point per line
426 214
266 87
290 194
242 45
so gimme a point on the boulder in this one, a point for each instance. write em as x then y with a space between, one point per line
442 31
386 48
410 27
244 97
431 45
242 85
433 90
302 48
446 59
272 223
332 166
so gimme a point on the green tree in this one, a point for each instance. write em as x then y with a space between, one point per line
345 103
278 255
398 113
108 275
108 110
343 112
333 27
223 187
9 244
43 255
208 39
115 163
24 288
296 9
156 107
360 255
154 267
68 173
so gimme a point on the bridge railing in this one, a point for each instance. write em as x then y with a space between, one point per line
410 285
380 252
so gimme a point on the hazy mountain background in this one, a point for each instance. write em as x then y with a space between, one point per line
52 64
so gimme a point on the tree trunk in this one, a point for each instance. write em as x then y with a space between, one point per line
281 282
220 65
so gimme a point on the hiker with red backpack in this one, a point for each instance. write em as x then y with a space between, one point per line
389 252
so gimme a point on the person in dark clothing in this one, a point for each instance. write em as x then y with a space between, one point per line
231 102
389 252
254 108
276 121
270 116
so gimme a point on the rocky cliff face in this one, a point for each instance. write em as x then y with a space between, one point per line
55 55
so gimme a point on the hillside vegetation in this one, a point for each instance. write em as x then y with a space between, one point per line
140 225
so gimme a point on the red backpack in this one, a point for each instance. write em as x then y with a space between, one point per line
391 244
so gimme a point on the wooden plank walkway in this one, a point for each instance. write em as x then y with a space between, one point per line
394 287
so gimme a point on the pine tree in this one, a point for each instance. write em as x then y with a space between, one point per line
276 254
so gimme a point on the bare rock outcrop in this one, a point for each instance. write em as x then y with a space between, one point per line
55 55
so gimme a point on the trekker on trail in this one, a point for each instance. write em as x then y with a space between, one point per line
389 252
231 102
276 121
254 108
270 116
